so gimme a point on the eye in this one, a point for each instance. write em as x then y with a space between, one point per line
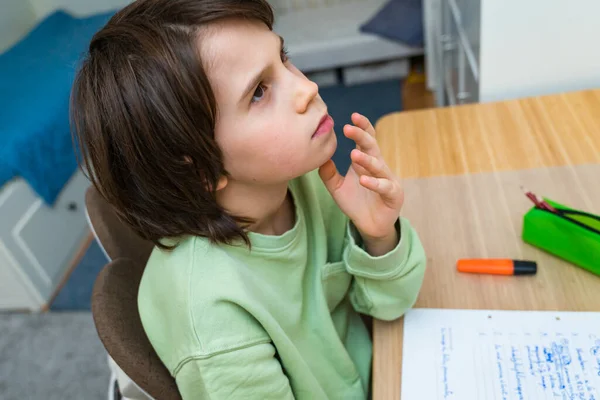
284 55
258 93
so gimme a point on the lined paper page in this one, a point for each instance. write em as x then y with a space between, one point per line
500 355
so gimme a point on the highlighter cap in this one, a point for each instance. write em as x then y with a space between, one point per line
524 267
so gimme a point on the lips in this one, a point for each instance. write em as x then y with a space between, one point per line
325 126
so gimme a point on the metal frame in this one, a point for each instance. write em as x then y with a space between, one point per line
447 38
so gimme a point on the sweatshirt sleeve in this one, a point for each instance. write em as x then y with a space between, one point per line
247 373
385 286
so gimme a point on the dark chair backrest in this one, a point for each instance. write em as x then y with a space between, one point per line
117 320
116 238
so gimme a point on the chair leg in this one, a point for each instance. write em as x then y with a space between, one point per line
113 388
117 391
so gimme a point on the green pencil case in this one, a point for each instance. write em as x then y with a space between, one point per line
570 234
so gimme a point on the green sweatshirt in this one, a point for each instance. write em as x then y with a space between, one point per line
279 321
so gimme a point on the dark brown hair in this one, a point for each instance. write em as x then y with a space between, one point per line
143 116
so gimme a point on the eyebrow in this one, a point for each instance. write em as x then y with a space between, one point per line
258 77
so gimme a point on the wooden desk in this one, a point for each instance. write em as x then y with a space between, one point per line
462 168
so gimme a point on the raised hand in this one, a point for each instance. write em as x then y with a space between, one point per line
370 194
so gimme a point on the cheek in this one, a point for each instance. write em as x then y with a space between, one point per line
276 144
269 149
283 152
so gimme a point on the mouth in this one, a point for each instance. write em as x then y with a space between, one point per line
325 126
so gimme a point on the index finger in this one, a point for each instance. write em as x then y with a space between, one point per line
363 122
366 142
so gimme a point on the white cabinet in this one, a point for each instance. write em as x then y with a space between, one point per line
491 50
322 35
37 242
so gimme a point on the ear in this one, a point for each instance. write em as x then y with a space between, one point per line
222 183
222 180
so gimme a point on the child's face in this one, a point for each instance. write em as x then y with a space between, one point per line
264 126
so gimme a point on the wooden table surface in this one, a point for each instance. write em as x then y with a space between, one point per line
462 167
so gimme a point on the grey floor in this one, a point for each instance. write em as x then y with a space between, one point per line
51 356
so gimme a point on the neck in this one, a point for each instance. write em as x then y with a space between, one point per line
269 207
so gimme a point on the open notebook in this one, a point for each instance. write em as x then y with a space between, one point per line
504 355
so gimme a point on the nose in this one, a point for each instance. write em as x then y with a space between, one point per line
306 91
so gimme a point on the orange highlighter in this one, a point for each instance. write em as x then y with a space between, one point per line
497 266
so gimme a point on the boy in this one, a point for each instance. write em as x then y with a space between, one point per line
207 140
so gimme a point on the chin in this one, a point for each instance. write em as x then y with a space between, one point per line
315 157
328 150
330 146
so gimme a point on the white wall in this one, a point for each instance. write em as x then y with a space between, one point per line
16 19
85 7
77 7
536 47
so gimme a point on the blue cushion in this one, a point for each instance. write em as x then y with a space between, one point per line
399 20
36 76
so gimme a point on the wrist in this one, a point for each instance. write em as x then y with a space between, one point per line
378 246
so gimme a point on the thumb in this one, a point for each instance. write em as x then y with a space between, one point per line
330 176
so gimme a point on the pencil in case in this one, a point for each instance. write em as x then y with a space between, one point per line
570 234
